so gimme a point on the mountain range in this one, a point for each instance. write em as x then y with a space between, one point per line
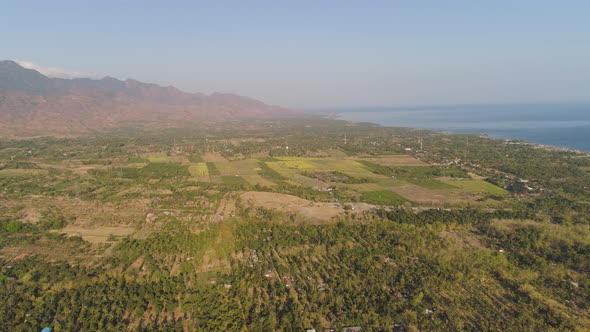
32 104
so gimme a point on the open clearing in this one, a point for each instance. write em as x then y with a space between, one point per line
477 186
213 157
293 204
99 234
236 172
435 197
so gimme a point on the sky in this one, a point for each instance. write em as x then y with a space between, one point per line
316 54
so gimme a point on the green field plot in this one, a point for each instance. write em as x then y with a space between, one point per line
212 169
432 184
364 187
383 197
239 167
156 171
233 180
246 170
158 158
319 172
258 180
478 186
268 173
415 172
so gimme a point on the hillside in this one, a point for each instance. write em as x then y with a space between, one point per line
32 104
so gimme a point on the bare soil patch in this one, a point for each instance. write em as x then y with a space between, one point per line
422 195
98 234
293 204
213 157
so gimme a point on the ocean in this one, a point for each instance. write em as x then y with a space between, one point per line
565 125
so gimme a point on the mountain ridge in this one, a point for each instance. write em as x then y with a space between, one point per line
32 104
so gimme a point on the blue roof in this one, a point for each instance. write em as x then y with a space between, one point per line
47 329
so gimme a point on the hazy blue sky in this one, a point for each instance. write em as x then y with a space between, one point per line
310 54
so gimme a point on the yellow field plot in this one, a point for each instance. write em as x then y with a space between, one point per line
280 168
307 181
294 164
199 169
342 165
158 158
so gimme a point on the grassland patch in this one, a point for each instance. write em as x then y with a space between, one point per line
432 184
212 169
383 197
269 173
233 180
478 186
294 163
156 171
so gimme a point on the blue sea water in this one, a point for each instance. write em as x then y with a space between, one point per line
564 125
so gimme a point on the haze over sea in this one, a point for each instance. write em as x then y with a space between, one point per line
565 124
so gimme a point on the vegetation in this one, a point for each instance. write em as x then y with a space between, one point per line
154 231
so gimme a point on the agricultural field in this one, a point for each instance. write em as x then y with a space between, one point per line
157 158
407 180
396 160
226 230
199 171
477 186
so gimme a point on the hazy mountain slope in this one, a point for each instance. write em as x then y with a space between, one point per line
32 104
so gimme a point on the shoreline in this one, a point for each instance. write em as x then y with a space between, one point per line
549 147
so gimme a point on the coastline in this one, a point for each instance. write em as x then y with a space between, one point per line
548 147
337 115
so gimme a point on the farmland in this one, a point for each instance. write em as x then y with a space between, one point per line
227 229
